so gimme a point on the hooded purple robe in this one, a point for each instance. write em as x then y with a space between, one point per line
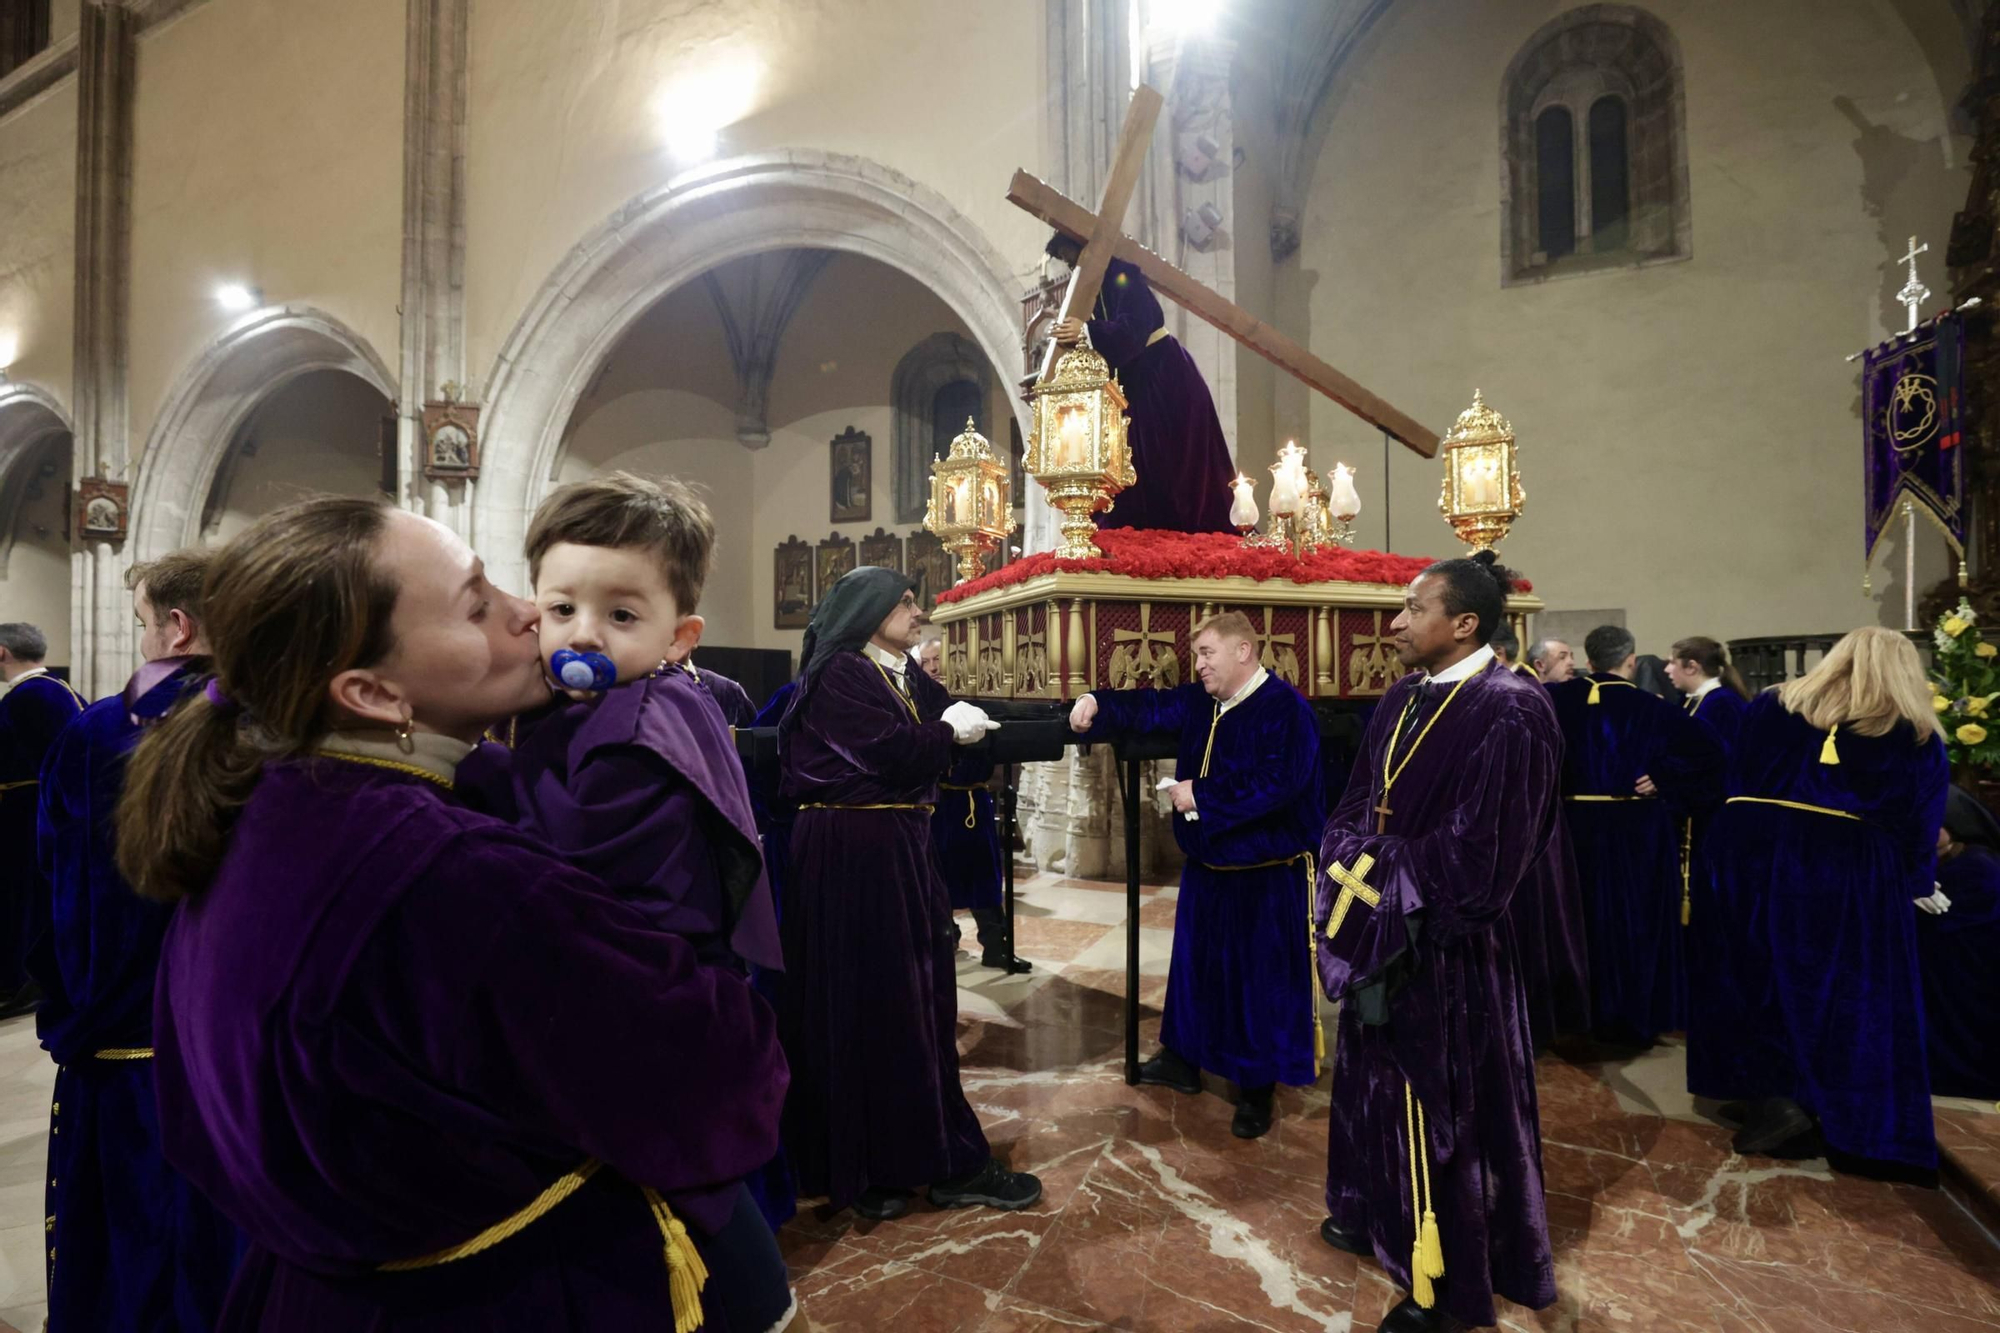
1435 1020
32 714
350 1065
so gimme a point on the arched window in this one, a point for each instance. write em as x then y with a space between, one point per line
24 32
953 405
1595 147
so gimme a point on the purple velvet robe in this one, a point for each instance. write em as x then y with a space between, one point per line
140 1248
1241 996
1959 956
965 834
1178 448
390 1023
1629 851
1546 913
32 714
729 696
870 1010
1472 810
640 787
1810 951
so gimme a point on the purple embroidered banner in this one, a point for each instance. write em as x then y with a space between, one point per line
1912 413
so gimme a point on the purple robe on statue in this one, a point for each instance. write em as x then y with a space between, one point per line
871 988
1435 1015
142 1251
1241 997
32 714
1629 848
640 787
435 1020
1178 448
1810 965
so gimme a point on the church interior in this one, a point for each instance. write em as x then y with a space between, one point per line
462 253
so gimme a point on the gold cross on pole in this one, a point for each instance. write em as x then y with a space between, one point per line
1103 239
1353 884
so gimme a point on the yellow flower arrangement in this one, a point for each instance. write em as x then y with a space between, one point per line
1940 703
1971 733
1985 649
1955 626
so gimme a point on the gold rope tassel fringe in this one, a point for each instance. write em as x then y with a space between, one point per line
1687 869
1427 1252
686 1273
1828 754
1312 953
1594 692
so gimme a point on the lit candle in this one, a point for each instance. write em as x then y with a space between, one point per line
1344 500
1243 509
1075 447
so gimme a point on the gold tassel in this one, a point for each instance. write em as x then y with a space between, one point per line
1827 753
1593 692
1426 1249
686 1273
1312 952
971 811
1687 858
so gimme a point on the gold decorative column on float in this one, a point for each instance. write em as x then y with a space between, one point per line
1482 493
972 506
1077 446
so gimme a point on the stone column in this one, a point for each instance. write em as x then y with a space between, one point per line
100 616
433 245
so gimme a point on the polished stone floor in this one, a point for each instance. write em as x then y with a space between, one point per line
1155 1218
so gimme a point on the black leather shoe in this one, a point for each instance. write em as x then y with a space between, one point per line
1253 1113
1737 1113
1167 1070
994 958
992 1185
1774 1122
1345 1241
1409 1317
882 1205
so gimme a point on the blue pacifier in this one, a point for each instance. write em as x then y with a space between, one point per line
582 671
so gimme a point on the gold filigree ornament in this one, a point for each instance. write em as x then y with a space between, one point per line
1482 493
1078 448
972 505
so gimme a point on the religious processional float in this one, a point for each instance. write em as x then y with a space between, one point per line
1115 609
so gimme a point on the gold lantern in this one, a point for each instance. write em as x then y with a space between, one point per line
1077 445
1482 493
971 508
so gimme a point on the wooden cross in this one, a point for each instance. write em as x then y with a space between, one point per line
1103 240
1353 884
1382 813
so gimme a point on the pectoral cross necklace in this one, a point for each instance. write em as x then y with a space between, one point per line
1389 775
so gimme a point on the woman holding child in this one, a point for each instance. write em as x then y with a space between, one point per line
441 1079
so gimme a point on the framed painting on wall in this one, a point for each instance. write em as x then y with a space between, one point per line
852 476
792 584
931 566
831 558
882 548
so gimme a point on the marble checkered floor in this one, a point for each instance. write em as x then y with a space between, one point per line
1155 1218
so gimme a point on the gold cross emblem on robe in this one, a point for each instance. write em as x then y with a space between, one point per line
1353 884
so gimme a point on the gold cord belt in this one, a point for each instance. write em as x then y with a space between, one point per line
971 800
924 806
686 1273
125 1053
1796 805
1293 859
1608 798
15 786
1312 938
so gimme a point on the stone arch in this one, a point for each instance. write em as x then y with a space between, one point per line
926 368
210 401
32 421
671 235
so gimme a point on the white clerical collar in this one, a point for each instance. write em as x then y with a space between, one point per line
1458 671
1713 682
882 657
29 674
1248 690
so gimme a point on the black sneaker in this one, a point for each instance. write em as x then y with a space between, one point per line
1774 1124
879 1205
992 1185
1168 1070
1253 1113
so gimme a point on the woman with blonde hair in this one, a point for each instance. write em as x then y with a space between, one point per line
1814 1010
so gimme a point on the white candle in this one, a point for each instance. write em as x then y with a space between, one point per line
1243 509
1344 500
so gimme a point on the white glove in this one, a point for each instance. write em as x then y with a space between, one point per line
1083 713
1937 904
968 722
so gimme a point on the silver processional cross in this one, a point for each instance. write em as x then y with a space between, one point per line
1914 293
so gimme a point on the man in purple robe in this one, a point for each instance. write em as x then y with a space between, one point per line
1434 1161
1242 1001
141 1249
33 711
1634 768
870 1008
1178 448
